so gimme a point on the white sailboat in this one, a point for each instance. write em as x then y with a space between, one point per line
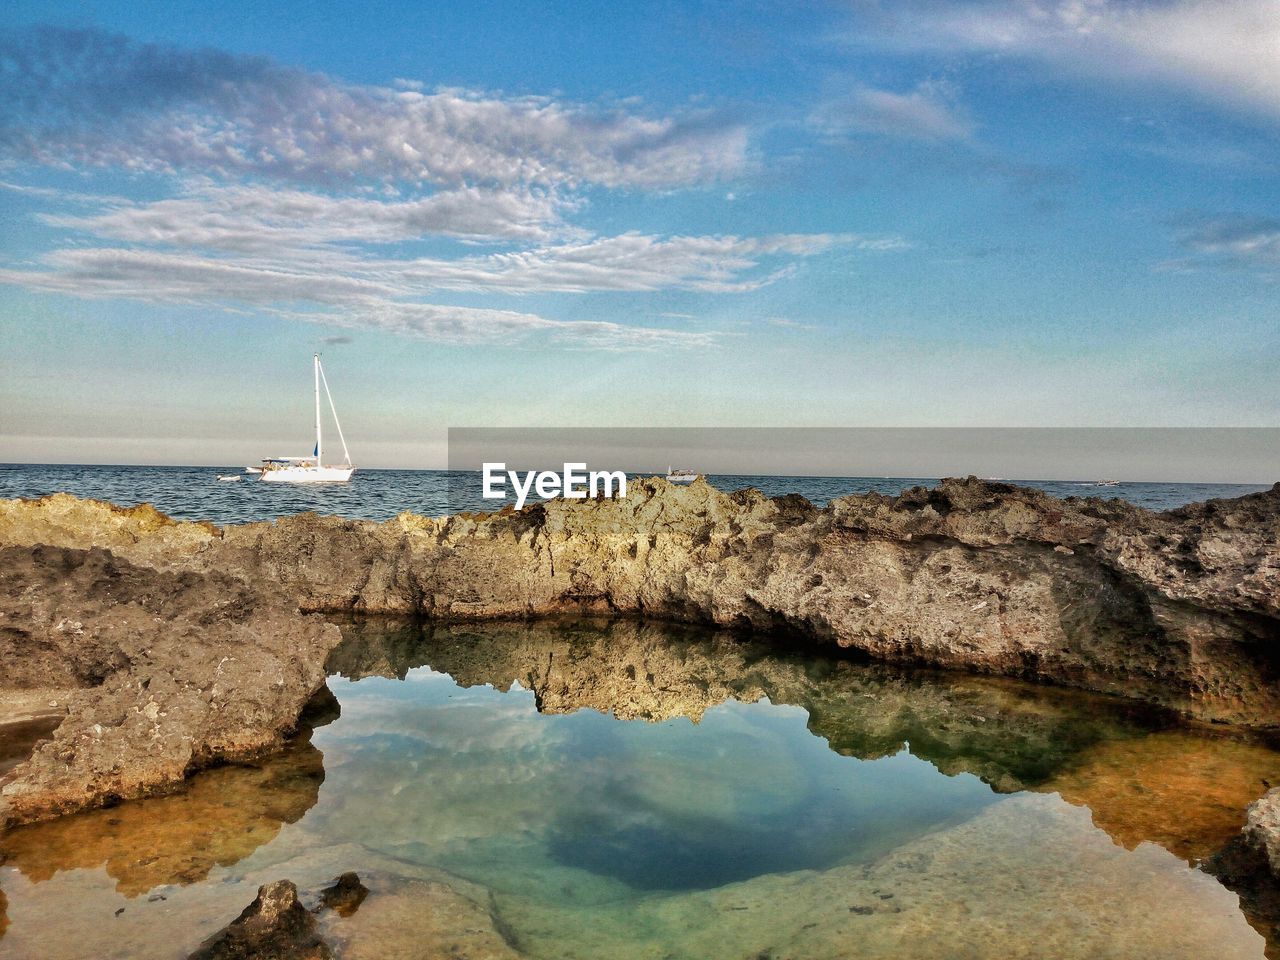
681 476
311 469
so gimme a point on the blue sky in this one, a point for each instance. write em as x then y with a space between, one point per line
990 213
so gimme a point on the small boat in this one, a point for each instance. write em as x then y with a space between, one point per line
311 469
229 477
1107 483
681 476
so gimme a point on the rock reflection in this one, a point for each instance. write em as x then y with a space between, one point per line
221 817
1143 774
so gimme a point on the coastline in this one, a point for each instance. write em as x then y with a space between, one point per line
188 645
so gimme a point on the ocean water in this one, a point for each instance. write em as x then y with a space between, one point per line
196 493
588 790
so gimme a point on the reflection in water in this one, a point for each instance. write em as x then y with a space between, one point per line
481 780
1145 775
221 817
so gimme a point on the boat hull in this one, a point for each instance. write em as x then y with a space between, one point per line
682 478
307 475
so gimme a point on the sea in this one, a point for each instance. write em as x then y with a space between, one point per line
197 493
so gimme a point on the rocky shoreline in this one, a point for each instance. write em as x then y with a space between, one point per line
184 645
157 674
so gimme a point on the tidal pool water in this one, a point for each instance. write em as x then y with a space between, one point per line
599 790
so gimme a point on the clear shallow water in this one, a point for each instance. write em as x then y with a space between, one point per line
588 790
195 493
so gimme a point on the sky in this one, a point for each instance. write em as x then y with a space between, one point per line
995 213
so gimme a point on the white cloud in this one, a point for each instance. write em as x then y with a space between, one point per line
254 218
164 277
253 264
1227 50
921 114
303 196
317 296
85 98
337 286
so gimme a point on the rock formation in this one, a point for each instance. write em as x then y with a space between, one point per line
175 671
188 647
1179 608
345 896
275 925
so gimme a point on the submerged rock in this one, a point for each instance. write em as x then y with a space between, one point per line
430 919
346 894
274 926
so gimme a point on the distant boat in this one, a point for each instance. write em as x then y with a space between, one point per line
311 469
229 477
681 476
1107 483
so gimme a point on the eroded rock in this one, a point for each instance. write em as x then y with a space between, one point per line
274 926
177 671
1263 828
1180 608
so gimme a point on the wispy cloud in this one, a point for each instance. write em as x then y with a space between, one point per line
85 98
920 114
470 326
330 283
1226 50
254 218
298 194
630 262
639 262
1235 240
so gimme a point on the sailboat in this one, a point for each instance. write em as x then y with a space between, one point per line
311 469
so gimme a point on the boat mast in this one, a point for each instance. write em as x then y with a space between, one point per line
319 448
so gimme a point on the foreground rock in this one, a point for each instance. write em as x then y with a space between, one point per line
274 926
174 671
1262 832
1179 608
